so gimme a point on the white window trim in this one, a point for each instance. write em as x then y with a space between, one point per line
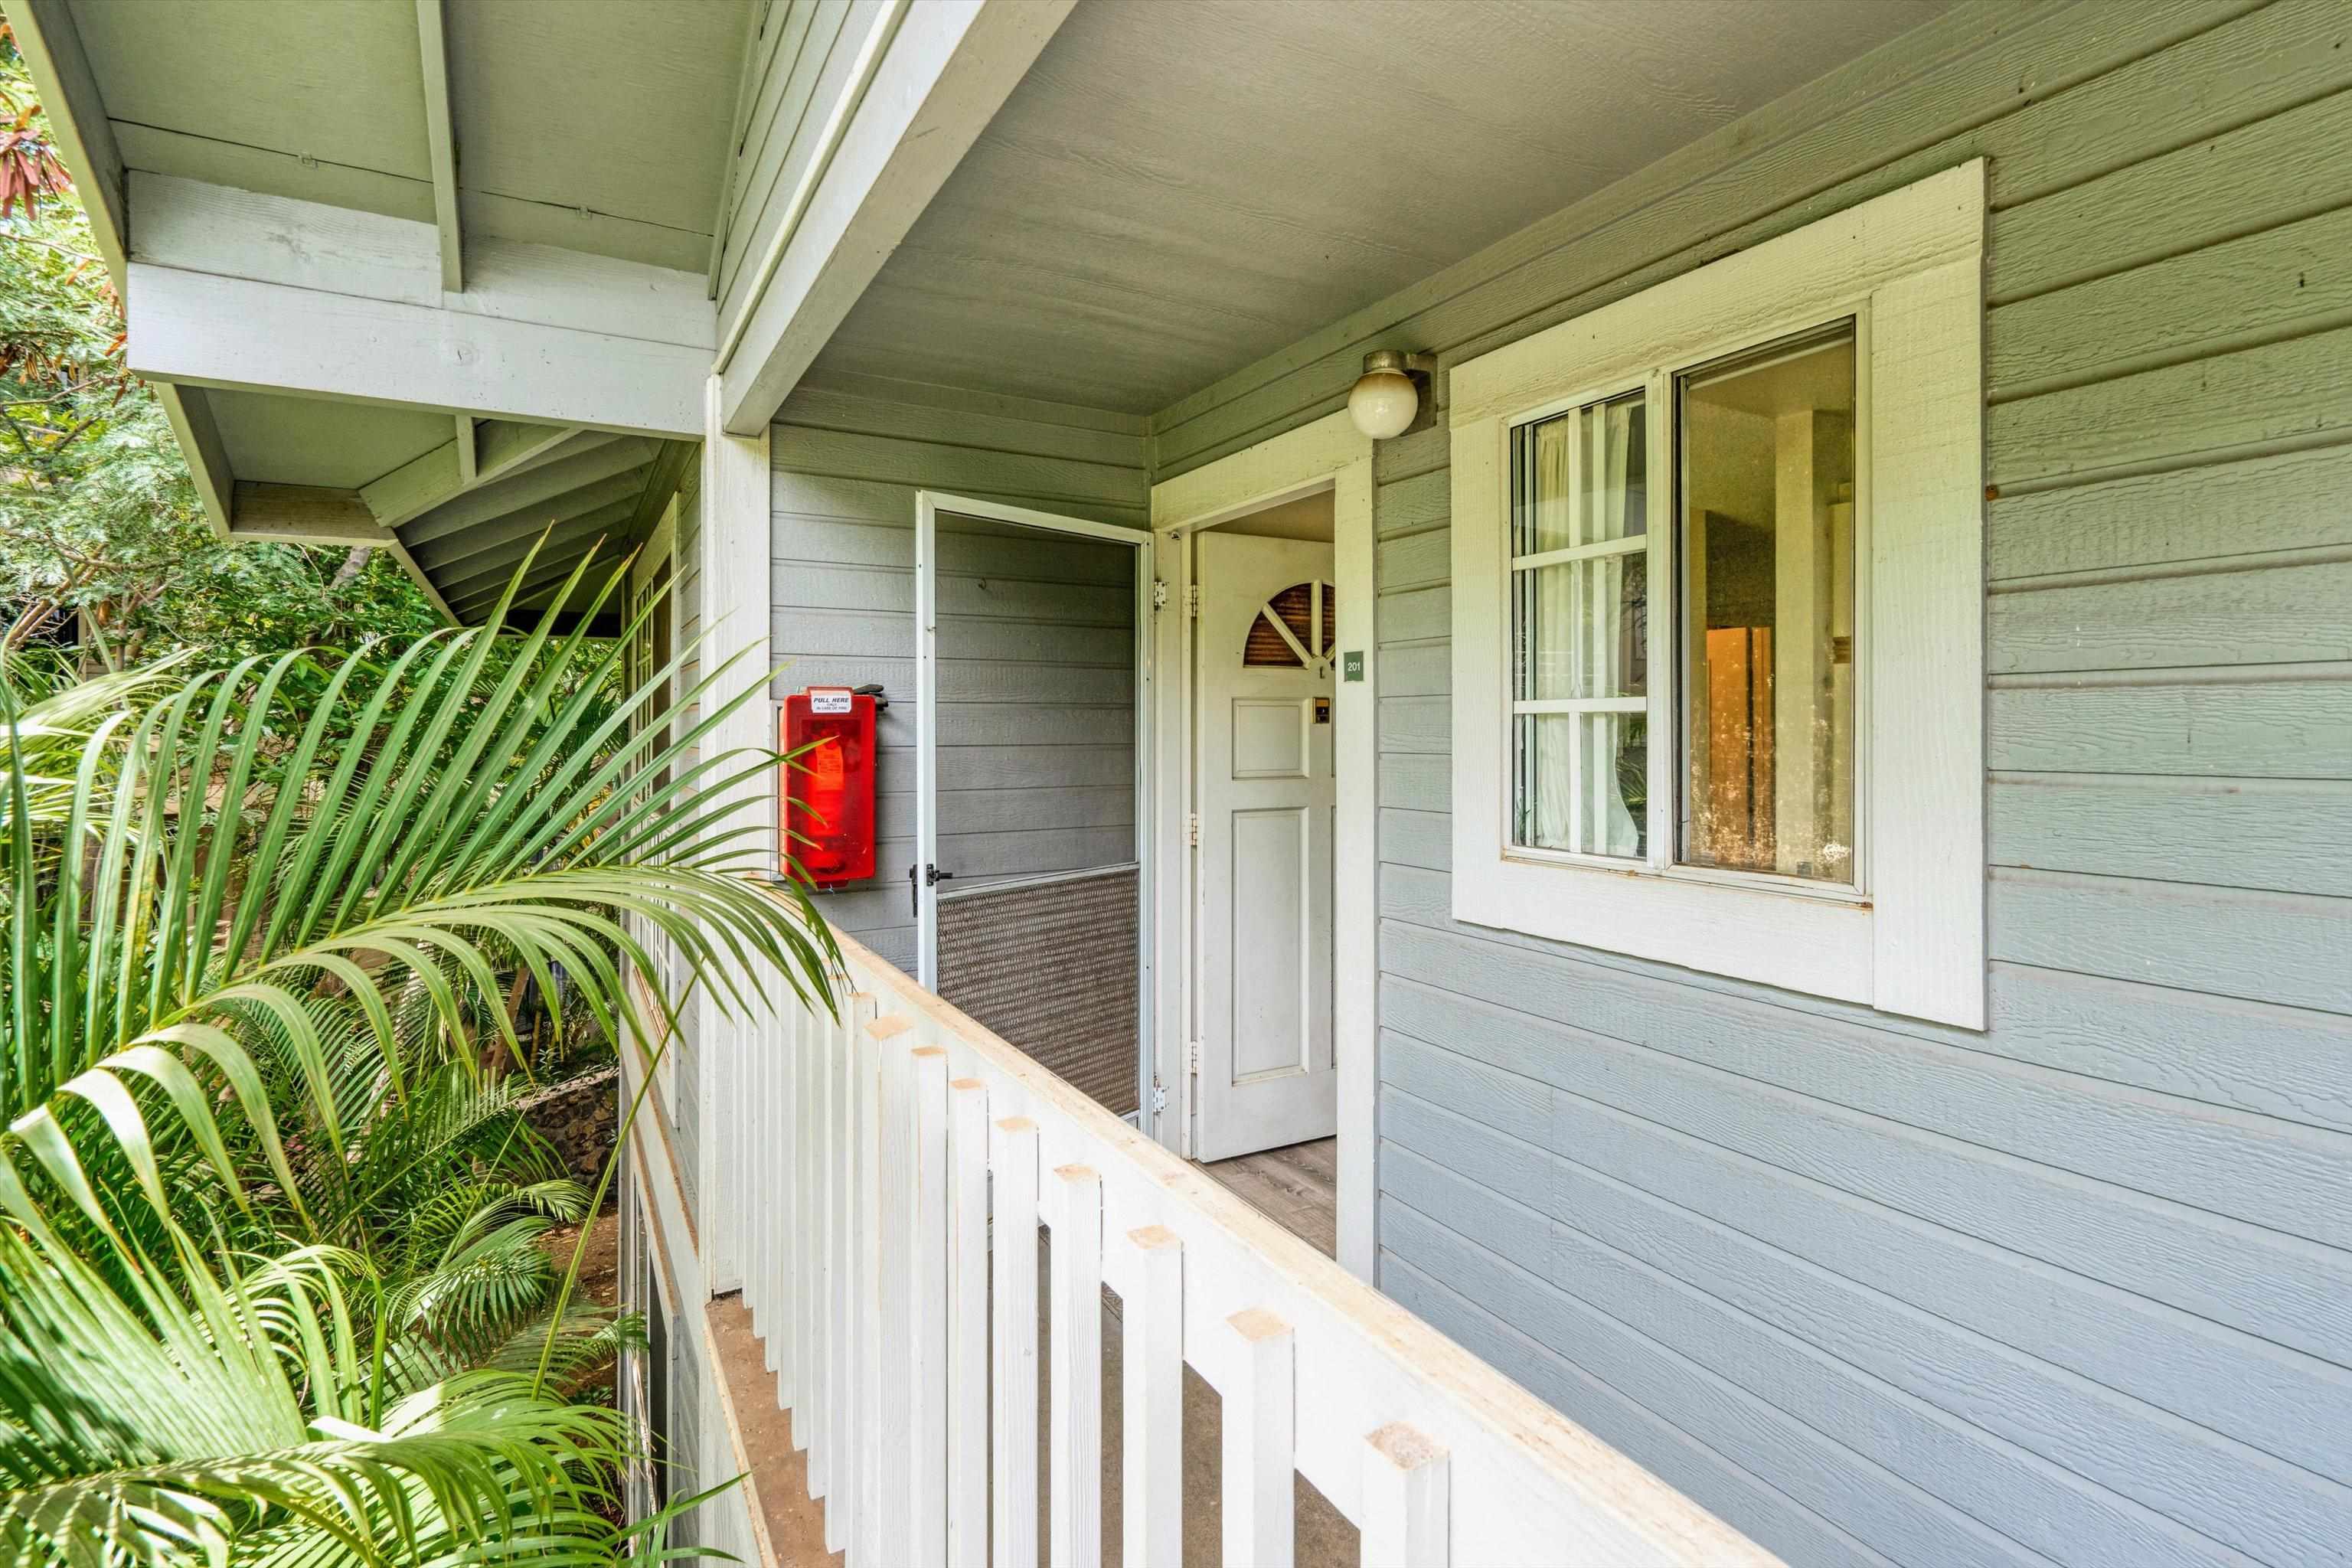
1909 267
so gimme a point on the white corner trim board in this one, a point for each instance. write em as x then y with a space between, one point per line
1908 267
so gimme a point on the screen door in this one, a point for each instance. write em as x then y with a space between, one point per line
1028 881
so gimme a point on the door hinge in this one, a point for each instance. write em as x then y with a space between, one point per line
1159 594
1192 601
1158 1097
1193 1057
1193 827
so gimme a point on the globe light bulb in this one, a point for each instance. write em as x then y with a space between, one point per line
1382 403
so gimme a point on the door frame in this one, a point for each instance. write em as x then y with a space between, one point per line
929 504
1330 454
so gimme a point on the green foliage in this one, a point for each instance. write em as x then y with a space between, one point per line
98 516
272 1282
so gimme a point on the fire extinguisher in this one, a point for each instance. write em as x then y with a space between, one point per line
824 789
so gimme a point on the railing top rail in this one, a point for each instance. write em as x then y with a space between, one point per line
1610 1508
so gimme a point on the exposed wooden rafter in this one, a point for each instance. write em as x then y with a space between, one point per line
528 492
927 81
469 461
526 523
310 514
494 450
440 142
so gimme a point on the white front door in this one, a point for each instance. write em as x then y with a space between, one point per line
1266 800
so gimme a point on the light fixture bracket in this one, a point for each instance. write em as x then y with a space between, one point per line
1415 362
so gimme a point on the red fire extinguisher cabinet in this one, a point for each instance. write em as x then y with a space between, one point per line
825 788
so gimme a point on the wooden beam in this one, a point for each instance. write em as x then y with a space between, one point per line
440 144
546 574
304 514
199 330
498 448
536 488
460 550
312 514
669 472
943 70
236 288
468 575
191 417
502 446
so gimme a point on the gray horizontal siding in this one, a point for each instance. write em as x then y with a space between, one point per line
800 58
1035 634
2077 1288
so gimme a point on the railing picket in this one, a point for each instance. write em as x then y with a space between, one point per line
875 1457
848 1305
1259 1411
927 1319
894 1250
966 1412
1076 1413
1152 1374
805 1256
757 1229
1014 1162
782 1221
1405 1501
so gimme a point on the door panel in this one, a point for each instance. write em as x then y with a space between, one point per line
1266 800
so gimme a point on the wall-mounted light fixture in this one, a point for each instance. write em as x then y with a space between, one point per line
1385 397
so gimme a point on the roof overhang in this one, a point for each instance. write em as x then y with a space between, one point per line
402 280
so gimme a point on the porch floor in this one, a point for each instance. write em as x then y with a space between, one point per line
1296 1187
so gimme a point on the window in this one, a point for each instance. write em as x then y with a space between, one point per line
1285 635
1677 522
652 614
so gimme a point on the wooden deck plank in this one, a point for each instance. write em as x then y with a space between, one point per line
1297 1187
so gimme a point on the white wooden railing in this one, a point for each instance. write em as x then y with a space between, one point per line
902 1326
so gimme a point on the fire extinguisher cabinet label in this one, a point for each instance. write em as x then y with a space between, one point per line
829 699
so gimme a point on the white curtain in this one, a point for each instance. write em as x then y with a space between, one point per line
1548 598
1574 617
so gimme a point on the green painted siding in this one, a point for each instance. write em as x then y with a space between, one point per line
1043 703
2078 1289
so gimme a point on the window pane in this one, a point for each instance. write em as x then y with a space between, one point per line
1578 478
1579 630
1585 782
1583 628
1767 610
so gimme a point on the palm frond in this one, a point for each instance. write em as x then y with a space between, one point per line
262 926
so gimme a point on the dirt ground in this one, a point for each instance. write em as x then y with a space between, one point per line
600 1271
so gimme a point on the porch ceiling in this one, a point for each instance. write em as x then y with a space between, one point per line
595 128
1180 187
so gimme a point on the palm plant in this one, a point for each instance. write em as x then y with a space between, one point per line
271 1286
